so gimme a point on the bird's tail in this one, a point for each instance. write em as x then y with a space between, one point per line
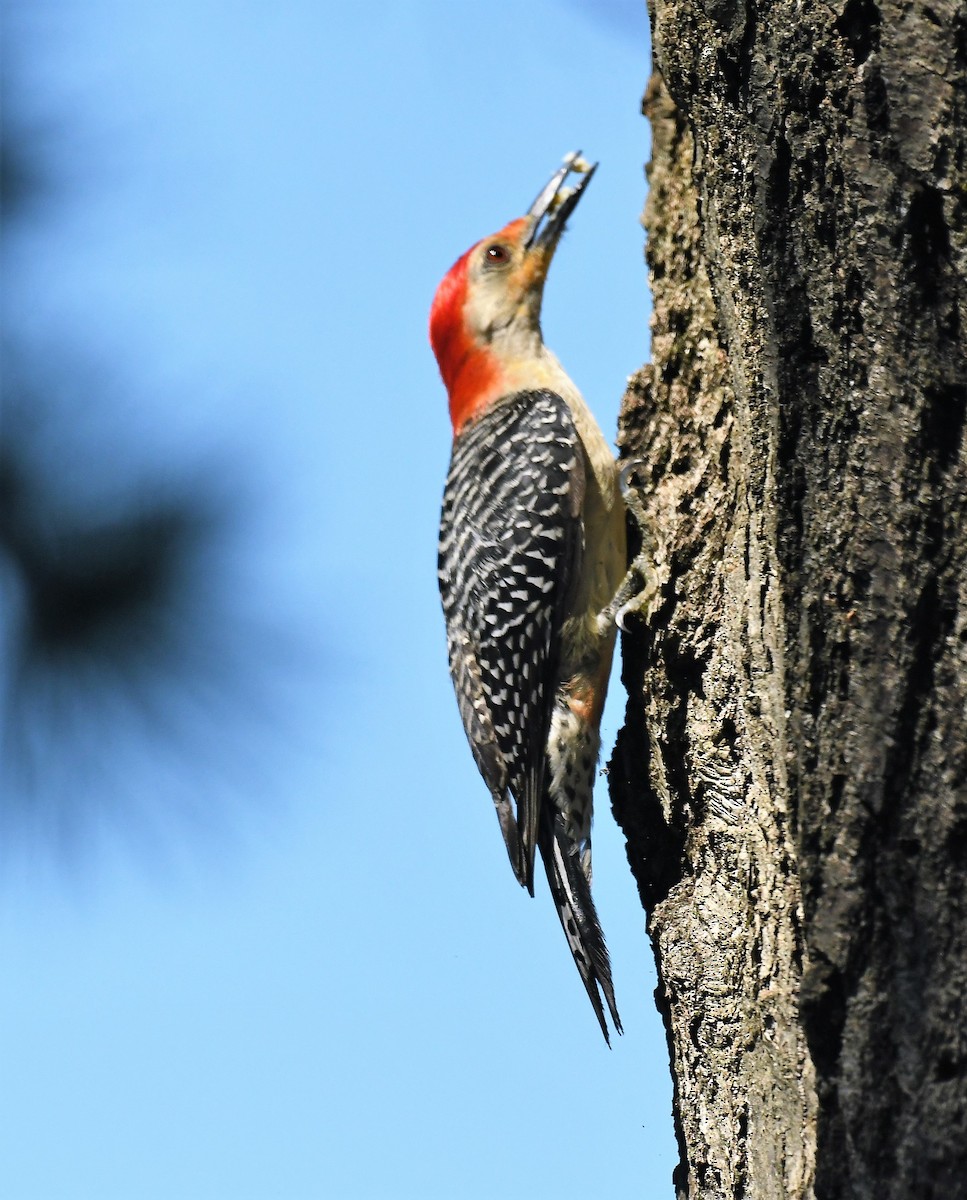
579 919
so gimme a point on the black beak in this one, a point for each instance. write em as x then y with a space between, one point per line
556 202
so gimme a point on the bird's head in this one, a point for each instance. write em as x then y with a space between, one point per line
485 324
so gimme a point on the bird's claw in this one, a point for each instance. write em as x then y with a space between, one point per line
626 600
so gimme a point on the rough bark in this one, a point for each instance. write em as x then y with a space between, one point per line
792 775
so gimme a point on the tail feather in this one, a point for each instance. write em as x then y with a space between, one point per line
578 917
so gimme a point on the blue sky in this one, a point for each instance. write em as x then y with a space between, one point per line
290 960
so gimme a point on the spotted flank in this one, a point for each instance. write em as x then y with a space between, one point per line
572 755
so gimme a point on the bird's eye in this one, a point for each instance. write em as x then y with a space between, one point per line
497 254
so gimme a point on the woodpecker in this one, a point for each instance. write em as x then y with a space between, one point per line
531 556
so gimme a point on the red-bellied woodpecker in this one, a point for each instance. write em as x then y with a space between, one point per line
532 553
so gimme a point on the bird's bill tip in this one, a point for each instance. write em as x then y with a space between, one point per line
556 200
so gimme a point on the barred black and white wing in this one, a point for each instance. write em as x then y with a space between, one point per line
511 540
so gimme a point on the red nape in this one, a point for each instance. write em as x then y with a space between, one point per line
446 312
470 373
478 382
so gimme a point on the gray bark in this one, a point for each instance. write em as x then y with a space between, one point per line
792 774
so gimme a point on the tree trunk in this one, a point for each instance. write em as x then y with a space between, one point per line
792 774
